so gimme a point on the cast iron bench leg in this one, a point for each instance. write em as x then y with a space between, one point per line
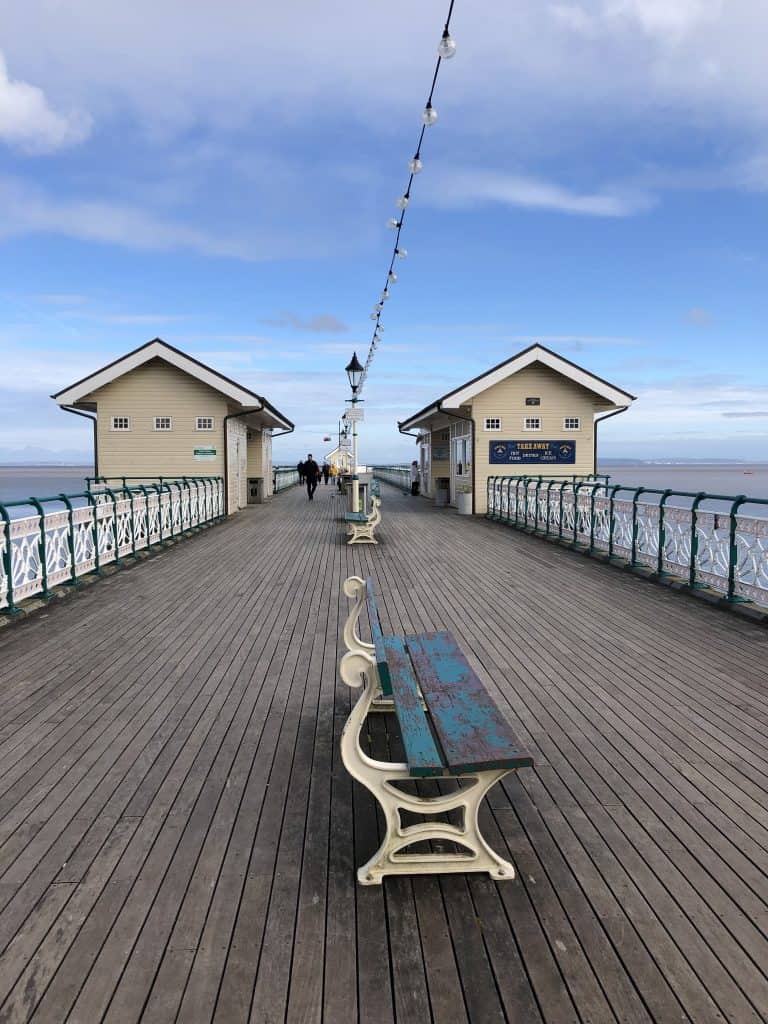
358 668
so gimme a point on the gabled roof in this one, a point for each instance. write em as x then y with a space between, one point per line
534 353
159 349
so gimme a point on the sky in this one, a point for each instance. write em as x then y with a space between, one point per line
220 176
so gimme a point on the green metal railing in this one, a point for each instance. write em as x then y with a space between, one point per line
72 535
284 477
669 532
400 476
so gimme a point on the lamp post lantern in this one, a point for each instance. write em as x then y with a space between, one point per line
354 372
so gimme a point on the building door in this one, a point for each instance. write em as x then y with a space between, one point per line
461 459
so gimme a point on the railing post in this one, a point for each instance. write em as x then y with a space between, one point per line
576 487
733 552
592 518
695 540
536 505
70 540
11 608
42 553
115 536
611 518
546 525
96 553
662 533
633 561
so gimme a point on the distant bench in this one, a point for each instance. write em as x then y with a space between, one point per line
451 728
361 524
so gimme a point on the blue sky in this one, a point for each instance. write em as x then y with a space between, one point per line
221 177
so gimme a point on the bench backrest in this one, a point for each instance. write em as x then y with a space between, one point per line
378 640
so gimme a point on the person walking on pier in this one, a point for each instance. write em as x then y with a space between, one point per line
414 478
326 473
312 475
300 471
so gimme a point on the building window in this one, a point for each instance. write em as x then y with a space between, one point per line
121 423
492 423
462 455
532 423
572 423
163 423
204 423
533 401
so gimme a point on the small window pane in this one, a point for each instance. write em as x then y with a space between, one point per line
204 423
532 423
162 422
572 423
121 423
493 423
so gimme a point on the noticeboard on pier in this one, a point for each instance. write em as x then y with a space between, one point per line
515 453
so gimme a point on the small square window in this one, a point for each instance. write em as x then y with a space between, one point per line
572 423
163 423
121 423
204 423
492 423
532 423
533 401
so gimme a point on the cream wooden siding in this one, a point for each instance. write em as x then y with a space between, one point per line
440 442
158 389
237 454
260 457
560 397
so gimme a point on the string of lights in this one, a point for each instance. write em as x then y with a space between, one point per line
445 50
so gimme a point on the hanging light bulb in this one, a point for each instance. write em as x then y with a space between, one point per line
391 277
385 295
415 165
393 224
402 201
447 46
402 253
430 115
374 316
379 306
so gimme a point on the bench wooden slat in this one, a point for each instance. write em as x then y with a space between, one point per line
420 748
355 517
378 640
472 730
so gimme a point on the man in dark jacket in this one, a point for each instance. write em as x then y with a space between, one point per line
312 474
300 471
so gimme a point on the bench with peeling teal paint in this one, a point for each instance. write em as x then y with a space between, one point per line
450 724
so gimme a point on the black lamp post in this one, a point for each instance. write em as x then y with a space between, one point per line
354 372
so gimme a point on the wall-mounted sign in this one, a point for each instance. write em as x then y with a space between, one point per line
353 414
440 453
204 454
517 452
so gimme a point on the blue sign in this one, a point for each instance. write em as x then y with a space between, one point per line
515 453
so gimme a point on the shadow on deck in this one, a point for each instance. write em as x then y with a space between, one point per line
178 836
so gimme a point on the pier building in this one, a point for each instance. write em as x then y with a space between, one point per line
159 412
536 413
341 458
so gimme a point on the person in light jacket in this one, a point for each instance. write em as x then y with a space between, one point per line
414 478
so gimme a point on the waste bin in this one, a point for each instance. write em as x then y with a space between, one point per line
255 490
442 483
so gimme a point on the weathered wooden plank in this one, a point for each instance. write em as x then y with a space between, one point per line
473 732
420 748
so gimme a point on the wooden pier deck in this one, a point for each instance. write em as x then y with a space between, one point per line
178 836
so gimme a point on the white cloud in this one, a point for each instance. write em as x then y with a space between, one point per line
467 186
26 210
28 122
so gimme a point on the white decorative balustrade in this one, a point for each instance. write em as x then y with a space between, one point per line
73 535
284 477
718 548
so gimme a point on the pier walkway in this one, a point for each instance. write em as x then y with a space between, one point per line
178 836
